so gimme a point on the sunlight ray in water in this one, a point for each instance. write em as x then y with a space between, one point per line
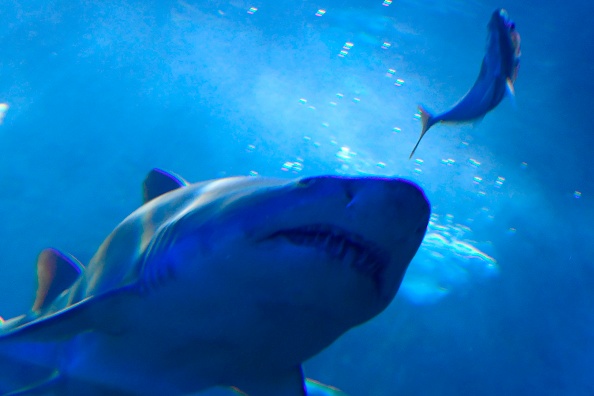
447 261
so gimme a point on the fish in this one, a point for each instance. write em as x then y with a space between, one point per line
231 282
497 76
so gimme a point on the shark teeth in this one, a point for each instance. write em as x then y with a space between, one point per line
362 255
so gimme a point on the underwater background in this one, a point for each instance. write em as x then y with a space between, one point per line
500 297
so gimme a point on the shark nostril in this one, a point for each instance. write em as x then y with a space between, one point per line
349 192
306 181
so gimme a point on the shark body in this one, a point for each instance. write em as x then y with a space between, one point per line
232 282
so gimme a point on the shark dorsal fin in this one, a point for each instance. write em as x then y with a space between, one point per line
159 182
56 272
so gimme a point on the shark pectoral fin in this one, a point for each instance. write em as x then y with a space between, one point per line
159 182
290 383
59 326
8 324
45 387
56 272
70 321
315 388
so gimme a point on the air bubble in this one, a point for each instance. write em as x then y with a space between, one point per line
344 153
345 49
291 166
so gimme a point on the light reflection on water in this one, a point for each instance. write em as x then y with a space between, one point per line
446 261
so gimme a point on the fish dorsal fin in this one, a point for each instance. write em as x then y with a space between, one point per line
56 272
511 92
510 87
159 182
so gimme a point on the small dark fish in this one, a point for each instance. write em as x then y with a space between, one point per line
498 74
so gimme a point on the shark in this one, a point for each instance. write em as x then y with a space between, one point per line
231 282
497 76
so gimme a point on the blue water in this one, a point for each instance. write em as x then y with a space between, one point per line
499 299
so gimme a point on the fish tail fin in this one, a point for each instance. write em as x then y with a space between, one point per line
426 124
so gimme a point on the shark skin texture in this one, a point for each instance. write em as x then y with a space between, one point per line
230 282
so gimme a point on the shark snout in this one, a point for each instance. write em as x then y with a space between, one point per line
387 203
385 216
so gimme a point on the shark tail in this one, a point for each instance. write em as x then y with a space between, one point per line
426 124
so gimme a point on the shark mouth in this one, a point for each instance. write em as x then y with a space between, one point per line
351 249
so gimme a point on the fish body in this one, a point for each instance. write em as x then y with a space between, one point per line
497 76
231 282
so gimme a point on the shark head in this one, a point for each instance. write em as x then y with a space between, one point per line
337 244
292 264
